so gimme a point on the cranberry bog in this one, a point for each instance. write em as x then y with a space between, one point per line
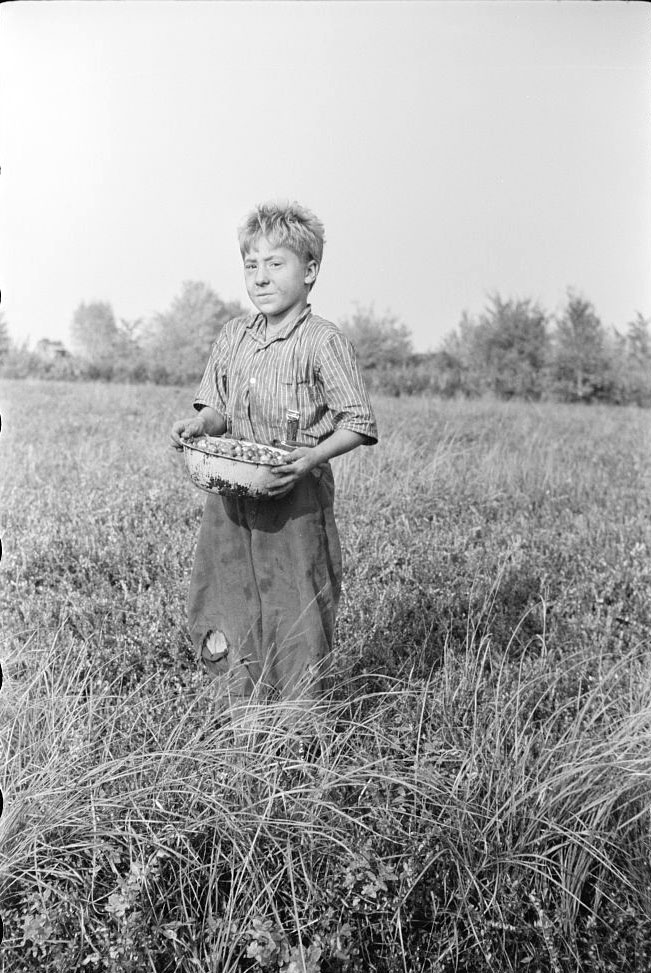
473 795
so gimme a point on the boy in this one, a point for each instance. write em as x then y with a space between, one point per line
267 572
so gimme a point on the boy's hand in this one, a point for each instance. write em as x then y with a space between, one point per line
185 429
297 465
206 422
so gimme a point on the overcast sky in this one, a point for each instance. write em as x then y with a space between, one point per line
452 149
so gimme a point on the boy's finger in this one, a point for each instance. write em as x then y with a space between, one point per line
279 491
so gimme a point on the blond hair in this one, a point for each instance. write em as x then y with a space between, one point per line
285 225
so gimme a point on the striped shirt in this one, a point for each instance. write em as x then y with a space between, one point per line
308 365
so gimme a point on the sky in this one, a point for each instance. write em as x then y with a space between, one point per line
452 149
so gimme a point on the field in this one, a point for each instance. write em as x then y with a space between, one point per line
477 797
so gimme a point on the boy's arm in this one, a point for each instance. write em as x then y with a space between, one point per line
341 441
206 422
348 400
344 388
303 459
209 402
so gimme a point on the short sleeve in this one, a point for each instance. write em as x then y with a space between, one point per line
212 389
344 388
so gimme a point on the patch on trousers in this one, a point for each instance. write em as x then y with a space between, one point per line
214 647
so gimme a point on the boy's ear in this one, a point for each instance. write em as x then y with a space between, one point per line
311 271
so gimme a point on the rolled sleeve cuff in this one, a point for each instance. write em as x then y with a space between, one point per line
212 403
364 427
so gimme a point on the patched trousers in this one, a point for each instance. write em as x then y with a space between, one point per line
265 588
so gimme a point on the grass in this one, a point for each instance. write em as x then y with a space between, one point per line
476 794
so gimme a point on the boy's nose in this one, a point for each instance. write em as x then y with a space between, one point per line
261 276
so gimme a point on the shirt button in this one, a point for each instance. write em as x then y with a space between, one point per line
252 380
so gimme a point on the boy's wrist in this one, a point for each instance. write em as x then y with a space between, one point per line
318 454
212 422
341 441
201 419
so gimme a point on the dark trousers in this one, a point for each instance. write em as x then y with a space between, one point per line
265 587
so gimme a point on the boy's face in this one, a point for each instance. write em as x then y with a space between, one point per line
277 280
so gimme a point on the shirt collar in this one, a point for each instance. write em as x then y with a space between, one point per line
258 326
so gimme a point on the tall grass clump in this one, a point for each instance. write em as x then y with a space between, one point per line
473 795
458 823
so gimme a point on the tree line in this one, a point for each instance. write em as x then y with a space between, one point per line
512 349
515 349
